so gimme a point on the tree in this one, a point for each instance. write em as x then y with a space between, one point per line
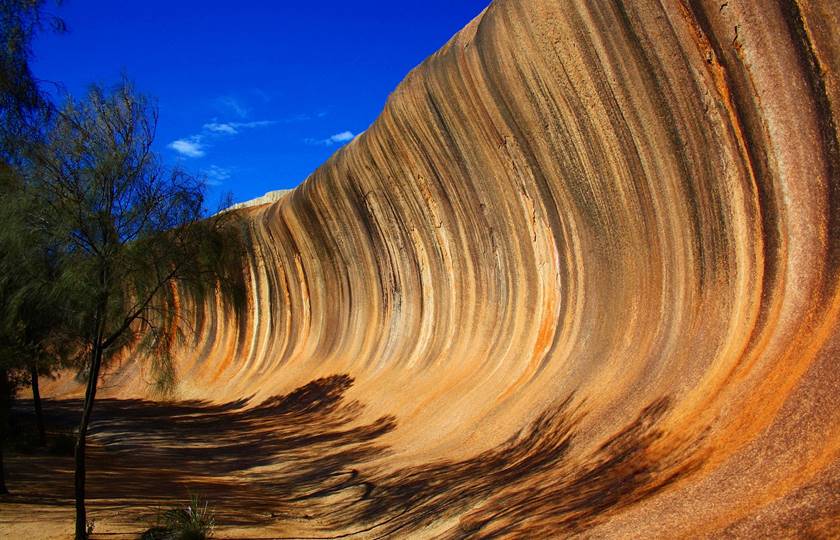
23 112
22 105
31 318
32 342
134 237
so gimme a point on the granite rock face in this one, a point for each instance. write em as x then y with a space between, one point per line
587 259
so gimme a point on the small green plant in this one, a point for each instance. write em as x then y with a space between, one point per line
192 522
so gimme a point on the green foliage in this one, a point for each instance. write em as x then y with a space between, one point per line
26 262
20 20
133 237
29 302
195 521
127 241
32 298
22 105
101 245
99 237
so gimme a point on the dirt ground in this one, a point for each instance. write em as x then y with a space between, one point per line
303 465
251 464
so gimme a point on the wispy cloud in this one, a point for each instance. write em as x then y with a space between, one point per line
233 105
227 127
232 128
194 146
302 117
338 138
216 175
189 147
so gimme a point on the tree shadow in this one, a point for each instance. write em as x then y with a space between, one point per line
146 453
306 457
529 487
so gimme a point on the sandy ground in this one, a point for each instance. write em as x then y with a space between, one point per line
303 465
255 465
145 457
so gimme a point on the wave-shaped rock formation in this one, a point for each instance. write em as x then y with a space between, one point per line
580 277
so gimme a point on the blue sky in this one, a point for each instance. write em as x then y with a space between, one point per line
252 94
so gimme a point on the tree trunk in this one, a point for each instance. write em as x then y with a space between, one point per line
3 489
5 404
90 395
36 399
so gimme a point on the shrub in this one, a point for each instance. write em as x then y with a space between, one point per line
192 522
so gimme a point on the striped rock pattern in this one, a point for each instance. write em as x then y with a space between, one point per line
583 269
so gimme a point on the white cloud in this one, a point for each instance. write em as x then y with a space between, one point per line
338 138
231 104
232 128
344 136
221 128
216 175
193 146
189 147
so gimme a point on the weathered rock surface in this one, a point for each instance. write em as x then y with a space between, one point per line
587 262
268 198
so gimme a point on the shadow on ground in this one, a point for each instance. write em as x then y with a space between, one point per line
306 458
